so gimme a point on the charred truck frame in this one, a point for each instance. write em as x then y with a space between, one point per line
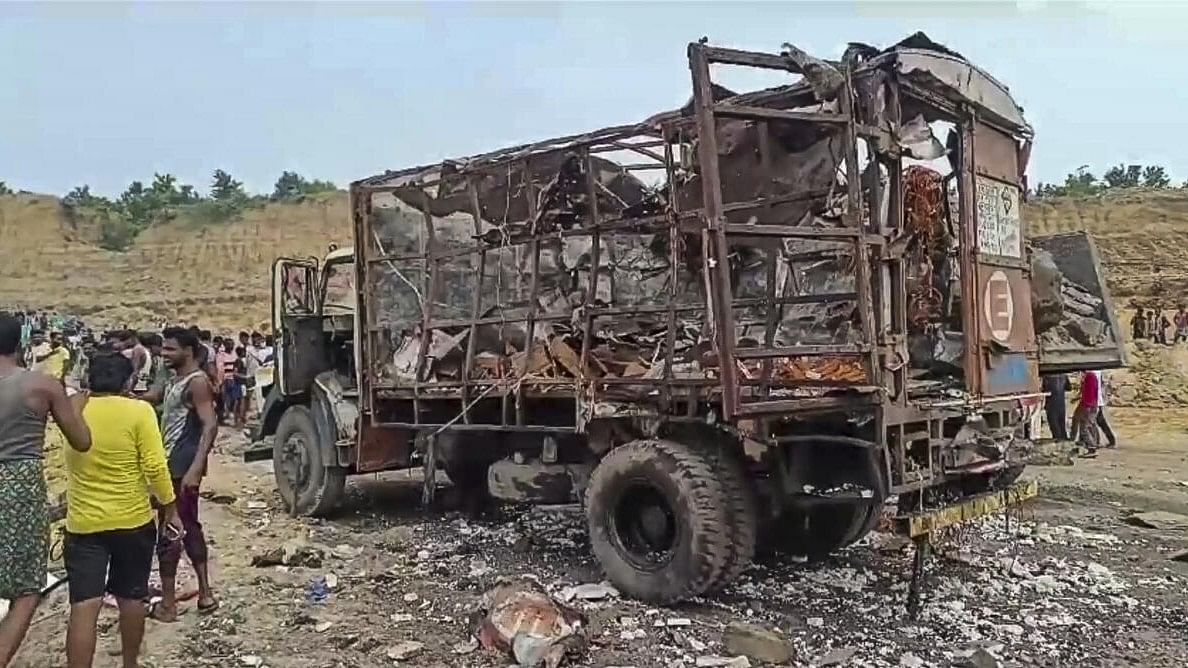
775 318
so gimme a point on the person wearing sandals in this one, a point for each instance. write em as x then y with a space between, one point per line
110 533
188 428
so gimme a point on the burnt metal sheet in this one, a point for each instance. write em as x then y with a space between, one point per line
1007 350
998 154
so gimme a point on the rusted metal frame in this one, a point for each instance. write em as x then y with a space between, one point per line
640 167
716 250
748 113
533 283
642 148
799 232
433 269
476 212
894 222
848 402
497 320
595 260
840 349
360 218
423 426
674 241
773 311
854 216
970 322
471 164
732 207
715 54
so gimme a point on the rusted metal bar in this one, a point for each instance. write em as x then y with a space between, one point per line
726 110
476 212
533 282
714 54
432 283
841 350
794 232
896 275
809 404
773 311
968 255
862 278
674 260
595 259
360 223
716 250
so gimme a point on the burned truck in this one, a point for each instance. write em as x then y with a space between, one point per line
747 322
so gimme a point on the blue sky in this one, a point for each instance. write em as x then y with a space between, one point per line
104 93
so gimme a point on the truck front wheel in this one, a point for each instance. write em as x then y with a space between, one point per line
307 483
658 519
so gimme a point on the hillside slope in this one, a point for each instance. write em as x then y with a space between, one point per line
217 274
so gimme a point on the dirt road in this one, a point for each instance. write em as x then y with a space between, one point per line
1067 583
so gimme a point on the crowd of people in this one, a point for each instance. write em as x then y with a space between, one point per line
1154 325
139 412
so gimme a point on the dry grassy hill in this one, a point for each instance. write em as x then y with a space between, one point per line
218 273
176 271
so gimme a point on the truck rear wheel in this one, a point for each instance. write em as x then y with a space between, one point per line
658 520
743 521
816 532
308 485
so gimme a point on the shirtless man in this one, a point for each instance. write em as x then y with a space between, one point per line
26 399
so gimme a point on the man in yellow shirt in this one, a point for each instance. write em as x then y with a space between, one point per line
110 535
53 362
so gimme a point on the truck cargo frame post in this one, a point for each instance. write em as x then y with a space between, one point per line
739 325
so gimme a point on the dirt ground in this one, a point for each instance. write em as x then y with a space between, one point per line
1066 582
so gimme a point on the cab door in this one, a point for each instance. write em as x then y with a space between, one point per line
297 321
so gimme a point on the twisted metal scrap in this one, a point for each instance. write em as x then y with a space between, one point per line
924 210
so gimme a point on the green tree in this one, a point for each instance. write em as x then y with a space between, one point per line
223 188
4 189
1123 176
1155 176
1081 182
291 186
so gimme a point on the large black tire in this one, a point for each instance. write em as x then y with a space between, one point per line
743 521
308 485
815 533
659 520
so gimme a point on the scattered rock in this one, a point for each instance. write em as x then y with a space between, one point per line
331 581
1180 556
467 646
835 657
722 662
757 643
981 658
1158 519
815 622
322 627
293 553
589 592
411 597
256 505
251 660
910 660
1052 453
405 650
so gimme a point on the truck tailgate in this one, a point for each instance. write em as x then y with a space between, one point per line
1075 318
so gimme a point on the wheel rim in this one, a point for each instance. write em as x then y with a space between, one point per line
295 464
644 527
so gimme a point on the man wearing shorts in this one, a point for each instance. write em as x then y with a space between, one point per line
110 534
188 427
26 398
